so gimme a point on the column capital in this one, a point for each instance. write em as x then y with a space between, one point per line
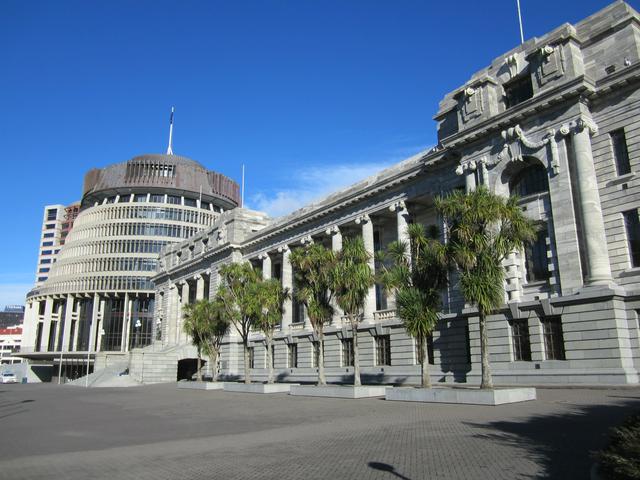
263 255
332 230
466 167
306 240
364 218
283 249
400 207
577 126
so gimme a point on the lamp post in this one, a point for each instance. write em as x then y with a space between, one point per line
137 325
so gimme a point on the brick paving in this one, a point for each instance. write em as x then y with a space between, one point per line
159 432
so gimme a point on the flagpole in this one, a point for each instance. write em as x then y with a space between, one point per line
520 22
242 199
170 149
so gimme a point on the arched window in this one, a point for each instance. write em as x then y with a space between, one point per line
531 179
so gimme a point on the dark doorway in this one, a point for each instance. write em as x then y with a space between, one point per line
187 367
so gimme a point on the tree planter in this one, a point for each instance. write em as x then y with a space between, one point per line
469 396
258 387
201 385
339 391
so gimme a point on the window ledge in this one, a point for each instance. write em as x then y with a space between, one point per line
630 272
621 179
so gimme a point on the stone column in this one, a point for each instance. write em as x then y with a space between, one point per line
172 314
68 312
125 324
287 282
468 169
367 237
266 265
199 287
336 246
599 269
46 327
94 322
184 301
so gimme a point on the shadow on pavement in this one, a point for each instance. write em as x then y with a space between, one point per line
385 467
561 443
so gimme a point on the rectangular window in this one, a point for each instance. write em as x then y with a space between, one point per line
48 235
204 205
252 358
632 227
189 202
50 225
45 252
383 350
347 352
140 197
536 260
43 270
47 244
620 151
518 90
553 338
293 355
315 362
45 260
174 199
42 279
156 198
52 214
521 341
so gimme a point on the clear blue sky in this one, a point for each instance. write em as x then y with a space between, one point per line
309 95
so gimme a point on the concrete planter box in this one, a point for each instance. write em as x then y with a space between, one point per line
339 391
462 395
258 387
201 385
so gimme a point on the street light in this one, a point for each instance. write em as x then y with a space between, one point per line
138 325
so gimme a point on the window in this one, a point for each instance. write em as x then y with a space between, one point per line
530 180
273 356
418 349
316 354
535 254
252 358
140 197
50 225
204 205
190 202
111 200
347 352
518 90
47 244
293 355
157 198
521 342
174 199
52 214
383 350
632 227
42 279
620 151
48 235
43 270
45 260
553 338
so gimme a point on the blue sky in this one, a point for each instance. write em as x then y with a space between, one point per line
309 95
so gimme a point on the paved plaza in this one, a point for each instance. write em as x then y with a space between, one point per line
160 432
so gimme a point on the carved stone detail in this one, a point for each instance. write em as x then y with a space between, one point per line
363 219
516 145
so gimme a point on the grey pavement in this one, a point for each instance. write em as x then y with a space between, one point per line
159 432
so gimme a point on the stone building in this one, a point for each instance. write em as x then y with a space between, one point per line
99 296
555 120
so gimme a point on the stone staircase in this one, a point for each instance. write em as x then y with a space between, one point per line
156 364
113 375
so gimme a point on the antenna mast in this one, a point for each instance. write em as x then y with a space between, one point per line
169 149
242 199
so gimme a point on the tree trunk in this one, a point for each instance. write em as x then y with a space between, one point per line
213 363
199 374
247 373
487 381
269 359
321 377
424 363
356 355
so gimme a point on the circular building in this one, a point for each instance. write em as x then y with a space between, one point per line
99 296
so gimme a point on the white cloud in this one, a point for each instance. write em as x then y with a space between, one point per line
13 293
311 184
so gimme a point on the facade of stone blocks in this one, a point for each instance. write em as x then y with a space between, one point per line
555 121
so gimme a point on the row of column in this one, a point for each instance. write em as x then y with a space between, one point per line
334 232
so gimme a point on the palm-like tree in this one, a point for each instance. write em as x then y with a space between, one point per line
313 266
417 273
206 324
238 295
270 307
352 278
483 229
